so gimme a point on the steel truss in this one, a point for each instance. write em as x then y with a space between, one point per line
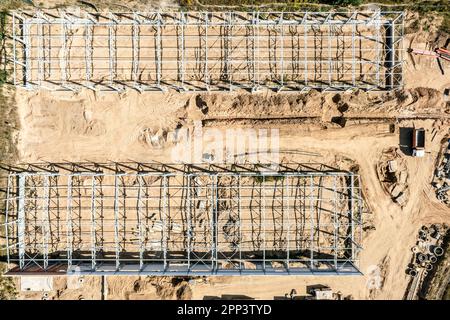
181 220
198 51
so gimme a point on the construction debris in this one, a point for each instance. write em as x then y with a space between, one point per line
426 253
393 175
441 180
321 292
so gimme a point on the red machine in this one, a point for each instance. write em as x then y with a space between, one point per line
438 53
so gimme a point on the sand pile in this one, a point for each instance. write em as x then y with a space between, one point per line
393 175
315 104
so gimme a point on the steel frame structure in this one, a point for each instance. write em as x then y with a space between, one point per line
154 219
198 51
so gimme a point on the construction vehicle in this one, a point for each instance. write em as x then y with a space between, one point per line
320 292
418 142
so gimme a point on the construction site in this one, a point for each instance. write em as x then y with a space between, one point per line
302 128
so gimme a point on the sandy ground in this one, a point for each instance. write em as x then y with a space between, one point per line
66 136
111 127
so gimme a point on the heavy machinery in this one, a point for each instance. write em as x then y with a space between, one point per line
418 142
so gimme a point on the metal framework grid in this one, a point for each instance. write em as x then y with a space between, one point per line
154 219
198 51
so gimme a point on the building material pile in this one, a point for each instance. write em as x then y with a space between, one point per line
442 175
426 253
393 175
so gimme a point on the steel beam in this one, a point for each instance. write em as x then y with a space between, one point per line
116 221
63 55
330 66
215 221
335 223
189 221
255 56
287 197
14 48
69 222
88 51
93 225
21 220
140 205
9 186
45 224
305 52
352 221
281 52
263 219
165 219
312 225
354 56
27 48
181 51
241 267
207 78
227 49
40 53
135 44
158 51
112 28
